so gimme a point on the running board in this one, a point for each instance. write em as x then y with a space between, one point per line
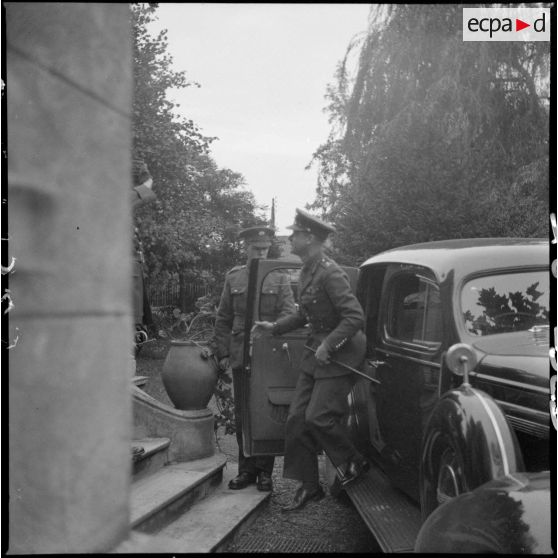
390 515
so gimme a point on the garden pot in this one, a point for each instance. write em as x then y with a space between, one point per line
188 377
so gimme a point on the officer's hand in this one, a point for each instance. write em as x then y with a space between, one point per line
267 326
322 354
224 363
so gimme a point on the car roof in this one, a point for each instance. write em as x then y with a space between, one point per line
468 255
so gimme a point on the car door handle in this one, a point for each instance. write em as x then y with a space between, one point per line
285 348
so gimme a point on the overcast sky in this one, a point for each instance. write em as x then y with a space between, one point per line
263 71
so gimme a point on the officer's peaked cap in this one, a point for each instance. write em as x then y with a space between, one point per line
308 223
257 236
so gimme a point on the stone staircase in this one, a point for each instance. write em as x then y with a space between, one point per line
184 506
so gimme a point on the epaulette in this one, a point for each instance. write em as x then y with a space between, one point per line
325 262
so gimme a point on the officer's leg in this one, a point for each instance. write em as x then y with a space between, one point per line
245 464
300 448
265 463
137 292
324 416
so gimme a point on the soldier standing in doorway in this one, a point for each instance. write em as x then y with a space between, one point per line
141 194
336 319
277 301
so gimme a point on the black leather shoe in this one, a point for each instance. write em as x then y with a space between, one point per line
264 483
354 470
242 480
302 497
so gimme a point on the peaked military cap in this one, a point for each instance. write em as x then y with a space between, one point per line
257 236
308 223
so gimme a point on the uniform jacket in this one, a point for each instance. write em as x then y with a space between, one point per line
335 316
140 195
277 300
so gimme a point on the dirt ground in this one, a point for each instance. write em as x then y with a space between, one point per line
330 525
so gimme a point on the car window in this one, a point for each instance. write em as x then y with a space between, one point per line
414 311
505 302
369 292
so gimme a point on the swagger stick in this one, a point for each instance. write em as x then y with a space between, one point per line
347 367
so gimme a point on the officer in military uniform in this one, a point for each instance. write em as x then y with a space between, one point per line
336 319
277 301
141 194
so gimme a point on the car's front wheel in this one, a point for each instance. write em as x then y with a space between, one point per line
467 442
443 477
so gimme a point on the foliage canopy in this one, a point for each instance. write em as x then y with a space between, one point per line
189 233
432 137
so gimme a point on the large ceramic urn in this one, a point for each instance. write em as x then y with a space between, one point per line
188 375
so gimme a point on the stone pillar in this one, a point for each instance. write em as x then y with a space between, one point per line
69 93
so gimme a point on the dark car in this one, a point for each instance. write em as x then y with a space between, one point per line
452 401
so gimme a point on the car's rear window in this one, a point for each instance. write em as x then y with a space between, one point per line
505 302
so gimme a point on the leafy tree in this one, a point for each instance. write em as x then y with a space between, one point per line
433 137
189 233
165 140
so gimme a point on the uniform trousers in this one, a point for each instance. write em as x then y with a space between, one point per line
315 422
250 465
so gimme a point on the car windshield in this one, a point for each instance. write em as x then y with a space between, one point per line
505 302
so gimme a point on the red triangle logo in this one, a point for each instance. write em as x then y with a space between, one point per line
519 25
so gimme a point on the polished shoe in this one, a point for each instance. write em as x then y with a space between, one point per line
354 470
264 483
302 497
242 481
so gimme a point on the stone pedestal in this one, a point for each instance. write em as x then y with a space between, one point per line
191 432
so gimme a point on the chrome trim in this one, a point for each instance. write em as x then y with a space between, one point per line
528 427
410 346
407 357
497 430
520 385
520 408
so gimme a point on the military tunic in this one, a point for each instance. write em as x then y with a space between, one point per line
276 301
140 195
319 404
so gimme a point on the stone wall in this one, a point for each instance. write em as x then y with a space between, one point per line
69 91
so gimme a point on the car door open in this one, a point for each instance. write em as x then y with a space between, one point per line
271 364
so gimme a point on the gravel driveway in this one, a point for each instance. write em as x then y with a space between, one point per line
330 525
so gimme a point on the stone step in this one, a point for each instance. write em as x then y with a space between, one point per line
154 457
161 497
214 521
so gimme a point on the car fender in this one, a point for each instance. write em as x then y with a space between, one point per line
510 515
467 442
